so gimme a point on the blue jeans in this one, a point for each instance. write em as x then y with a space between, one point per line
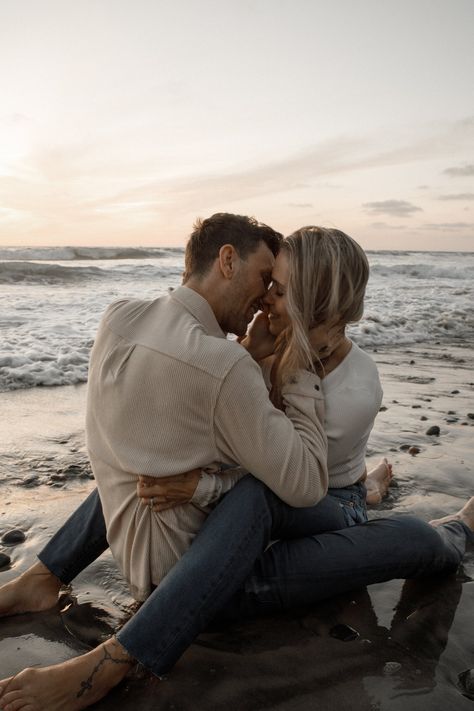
225 574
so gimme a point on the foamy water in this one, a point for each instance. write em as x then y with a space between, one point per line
51 300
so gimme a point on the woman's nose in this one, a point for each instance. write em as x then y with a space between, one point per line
268 298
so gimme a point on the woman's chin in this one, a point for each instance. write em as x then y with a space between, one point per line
274 328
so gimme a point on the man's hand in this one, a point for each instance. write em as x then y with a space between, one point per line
324 339
259 341
160 493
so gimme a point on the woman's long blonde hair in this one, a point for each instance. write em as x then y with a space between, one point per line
328 273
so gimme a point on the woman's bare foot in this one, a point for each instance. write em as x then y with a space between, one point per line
33 591
377 481
75 684
466 515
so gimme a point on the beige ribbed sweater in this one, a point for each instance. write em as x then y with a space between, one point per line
167 393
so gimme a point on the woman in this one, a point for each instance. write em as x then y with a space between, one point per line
318 287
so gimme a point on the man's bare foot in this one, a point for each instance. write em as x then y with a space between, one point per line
75 684
33 591
377 481
466 515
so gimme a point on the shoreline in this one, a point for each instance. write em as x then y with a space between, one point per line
292 661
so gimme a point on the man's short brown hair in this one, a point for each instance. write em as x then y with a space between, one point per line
208 236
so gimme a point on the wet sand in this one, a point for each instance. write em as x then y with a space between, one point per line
414 639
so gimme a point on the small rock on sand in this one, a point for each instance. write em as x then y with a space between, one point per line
344 633
466 683
454 392
423 417
404 447
391 668
13 536
414 450
470 415
433 430
4 560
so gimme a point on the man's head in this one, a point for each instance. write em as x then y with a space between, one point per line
245 234
229 259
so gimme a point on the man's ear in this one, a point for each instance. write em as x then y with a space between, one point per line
228 260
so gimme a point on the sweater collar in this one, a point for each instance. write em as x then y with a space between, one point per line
199 308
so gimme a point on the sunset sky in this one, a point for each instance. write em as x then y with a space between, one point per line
123 120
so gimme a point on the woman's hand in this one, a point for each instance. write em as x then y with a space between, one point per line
325 339
259 341
161 493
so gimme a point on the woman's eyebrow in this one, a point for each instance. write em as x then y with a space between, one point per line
278 283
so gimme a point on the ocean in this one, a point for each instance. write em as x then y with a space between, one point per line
52 299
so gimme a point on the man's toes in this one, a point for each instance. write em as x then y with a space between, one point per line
19 705
14 701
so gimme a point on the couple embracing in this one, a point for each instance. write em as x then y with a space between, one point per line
231 474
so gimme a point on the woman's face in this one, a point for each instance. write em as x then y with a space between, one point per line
275 298
324 338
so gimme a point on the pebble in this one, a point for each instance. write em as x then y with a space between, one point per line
30 479
451 412
4 560
344 633
58 477
470 415
466 683
434 430
383 408
405 447
412 362
454 392
414 450
415 407
391 668
13 536
423 417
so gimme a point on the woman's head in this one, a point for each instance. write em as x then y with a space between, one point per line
320 278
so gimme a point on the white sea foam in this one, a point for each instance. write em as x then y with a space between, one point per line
64 254
49 311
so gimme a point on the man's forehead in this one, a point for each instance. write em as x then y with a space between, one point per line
263 258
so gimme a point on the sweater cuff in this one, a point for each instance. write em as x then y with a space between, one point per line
205 492
304 383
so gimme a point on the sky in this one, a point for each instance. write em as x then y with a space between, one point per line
121 121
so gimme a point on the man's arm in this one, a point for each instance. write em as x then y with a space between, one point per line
288 452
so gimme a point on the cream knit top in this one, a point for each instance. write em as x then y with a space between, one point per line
167 393
352 396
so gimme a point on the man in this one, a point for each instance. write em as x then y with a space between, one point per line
168 392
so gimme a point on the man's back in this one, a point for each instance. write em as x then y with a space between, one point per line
167 393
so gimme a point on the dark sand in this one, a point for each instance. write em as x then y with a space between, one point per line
414 638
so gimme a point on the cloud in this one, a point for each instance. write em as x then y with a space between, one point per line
14 119
74 187
300 204
398 208
386 226
460 170
447 226
458 196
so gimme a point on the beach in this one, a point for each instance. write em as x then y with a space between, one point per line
413 640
